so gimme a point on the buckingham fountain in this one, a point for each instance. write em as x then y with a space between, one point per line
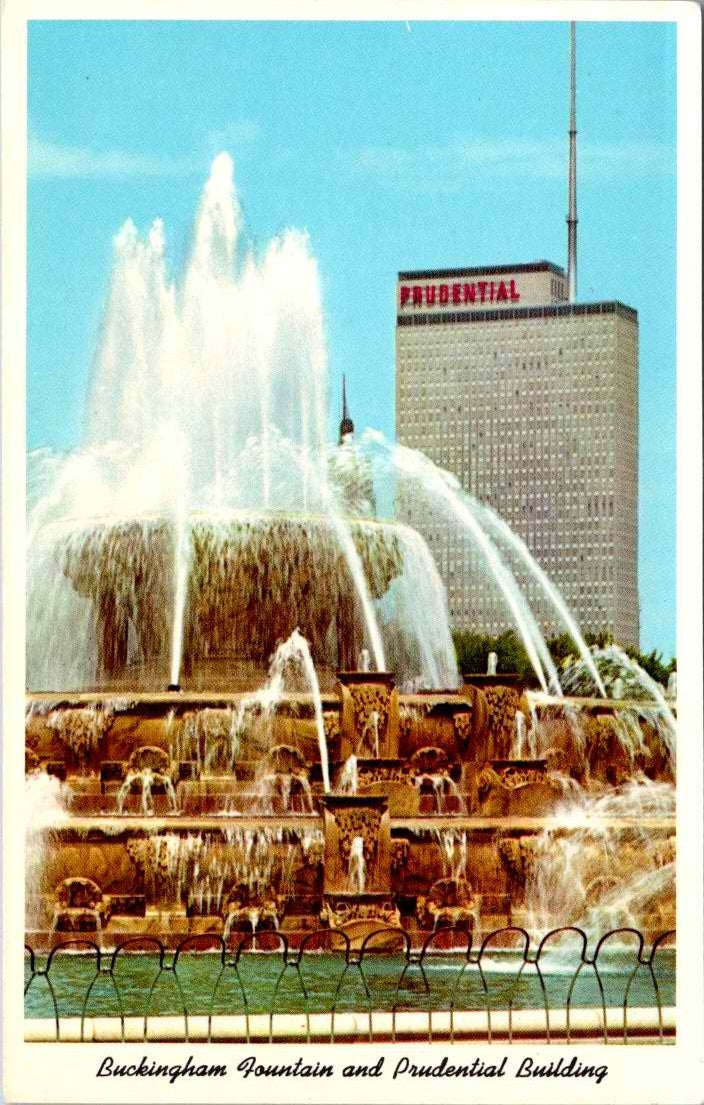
244 711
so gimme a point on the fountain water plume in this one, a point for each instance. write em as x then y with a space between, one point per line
296 649
46 801
346 542
206 418
598 865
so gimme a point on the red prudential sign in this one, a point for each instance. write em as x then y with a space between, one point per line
459 294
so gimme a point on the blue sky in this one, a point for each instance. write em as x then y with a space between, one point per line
396 146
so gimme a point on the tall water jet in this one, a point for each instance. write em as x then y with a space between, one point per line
296 649
204 391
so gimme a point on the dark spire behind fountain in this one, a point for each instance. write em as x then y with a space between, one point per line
346 423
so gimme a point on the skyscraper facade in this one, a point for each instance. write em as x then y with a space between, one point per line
532 402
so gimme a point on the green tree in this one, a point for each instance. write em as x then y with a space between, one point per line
473 650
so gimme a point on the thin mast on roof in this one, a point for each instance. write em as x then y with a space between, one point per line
572 187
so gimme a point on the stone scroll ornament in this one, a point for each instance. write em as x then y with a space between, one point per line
338 912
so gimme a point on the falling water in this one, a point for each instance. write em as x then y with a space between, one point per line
356 867
349 778
147 779
519 736
453 850
181 565
621 673
46 801
600 865
346 542
296 649
373 731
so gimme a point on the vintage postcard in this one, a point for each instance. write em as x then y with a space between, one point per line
351 561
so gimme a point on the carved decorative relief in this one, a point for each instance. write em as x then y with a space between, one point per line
429 760
370 702
338 912
517 775
380 773
503 702
529 853
512 857
450 901
358 822
462 724
80 906
331 724
150 758
399 855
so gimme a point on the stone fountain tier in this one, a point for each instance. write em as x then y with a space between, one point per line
86 730
248 587
496 855
179 875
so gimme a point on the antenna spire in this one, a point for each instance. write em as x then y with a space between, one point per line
572 187
346 423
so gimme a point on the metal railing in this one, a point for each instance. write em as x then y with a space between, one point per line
260 987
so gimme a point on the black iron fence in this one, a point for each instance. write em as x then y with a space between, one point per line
258 986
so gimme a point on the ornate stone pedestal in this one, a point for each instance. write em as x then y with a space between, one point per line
369 714
357 895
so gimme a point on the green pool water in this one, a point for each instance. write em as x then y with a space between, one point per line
201 985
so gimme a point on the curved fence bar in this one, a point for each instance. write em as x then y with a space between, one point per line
258 986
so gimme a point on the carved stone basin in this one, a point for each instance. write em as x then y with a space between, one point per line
358 915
